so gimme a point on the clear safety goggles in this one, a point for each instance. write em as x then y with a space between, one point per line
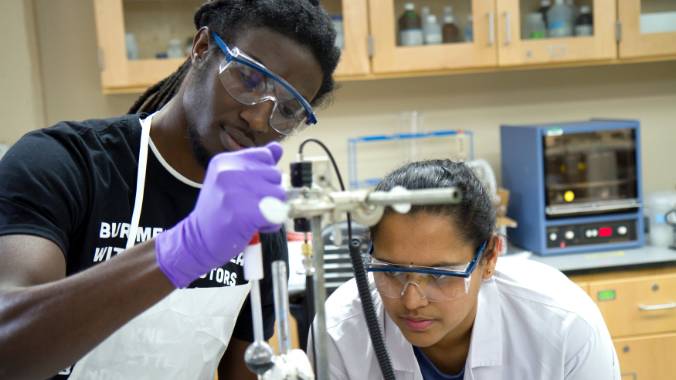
435 284
250 83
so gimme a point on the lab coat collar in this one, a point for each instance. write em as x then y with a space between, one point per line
404 363
487 336
486 342
401 351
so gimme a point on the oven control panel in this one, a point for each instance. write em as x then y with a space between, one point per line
591 233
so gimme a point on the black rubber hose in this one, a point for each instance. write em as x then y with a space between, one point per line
367 305
362 282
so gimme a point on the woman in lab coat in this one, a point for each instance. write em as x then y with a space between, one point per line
448 310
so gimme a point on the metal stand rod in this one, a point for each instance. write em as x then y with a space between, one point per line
281 297
418 197
320 337
309 307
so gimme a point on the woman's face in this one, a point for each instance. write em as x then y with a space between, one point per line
426 239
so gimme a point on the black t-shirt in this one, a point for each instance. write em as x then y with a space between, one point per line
75 183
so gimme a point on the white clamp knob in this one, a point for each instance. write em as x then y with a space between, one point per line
274 210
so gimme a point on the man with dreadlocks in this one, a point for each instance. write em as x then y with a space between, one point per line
102 220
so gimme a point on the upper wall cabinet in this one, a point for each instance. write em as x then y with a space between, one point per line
143 41
483 33
578 31
350 17
460 34
647 28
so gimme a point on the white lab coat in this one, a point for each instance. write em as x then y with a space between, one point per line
532 323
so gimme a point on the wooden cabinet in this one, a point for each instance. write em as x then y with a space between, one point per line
371 49
354 58
388 57
639 308
647 28
647 358
116 18
515 50
155 22
642 305
498 38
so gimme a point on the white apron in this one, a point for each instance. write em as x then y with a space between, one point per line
181 337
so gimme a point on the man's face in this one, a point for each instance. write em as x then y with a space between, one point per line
219 123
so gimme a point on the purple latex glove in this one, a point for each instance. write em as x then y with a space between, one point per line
225 216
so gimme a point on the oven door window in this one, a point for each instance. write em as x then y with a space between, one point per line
590 172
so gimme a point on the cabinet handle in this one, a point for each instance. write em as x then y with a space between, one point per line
661 306
508 28
491 28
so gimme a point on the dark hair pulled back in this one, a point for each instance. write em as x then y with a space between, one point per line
474 216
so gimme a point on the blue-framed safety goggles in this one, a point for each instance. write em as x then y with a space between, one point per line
250 82
433 283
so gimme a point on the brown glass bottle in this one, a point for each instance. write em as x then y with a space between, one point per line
449 31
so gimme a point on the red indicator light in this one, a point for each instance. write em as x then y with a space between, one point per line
605 232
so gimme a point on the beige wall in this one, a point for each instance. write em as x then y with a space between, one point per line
70 68
479 102
21 106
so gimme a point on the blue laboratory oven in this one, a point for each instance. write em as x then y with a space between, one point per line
574 187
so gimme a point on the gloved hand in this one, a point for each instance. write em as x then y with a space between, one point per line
225 216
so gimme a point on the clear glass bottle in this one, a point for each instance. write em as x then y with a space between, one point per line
535 26
432 30
424 12
175 49
469 29
131 45
559 20
338 25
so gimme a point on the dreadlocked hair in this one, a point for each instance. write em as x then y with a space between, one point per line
156 96
304 21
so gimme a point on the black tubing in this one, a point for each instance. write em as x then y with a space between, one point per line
362 283
367 305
